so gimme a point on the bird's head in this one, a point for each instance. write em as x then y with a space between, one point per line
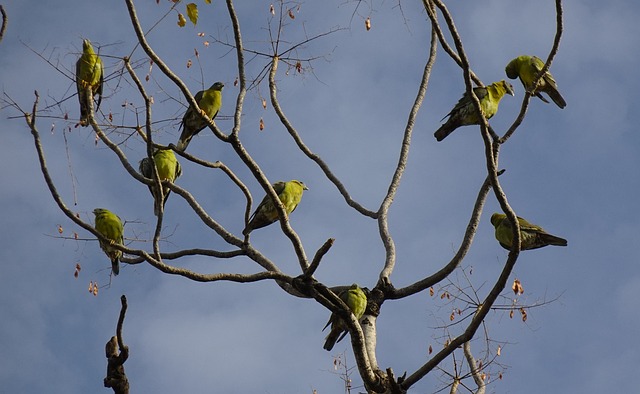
301 184
508 88
99 211
496 218
86 46
512 68
217 86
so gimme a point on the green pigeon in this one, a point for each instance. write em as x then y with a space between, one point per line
464 113
169 169
89 78
209 101
356 300
527 68
290 193
531 235
110 226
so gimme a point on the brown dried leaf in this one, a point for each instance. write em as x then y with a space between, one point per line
264 103
499 350
182 22
430 349
272 10
511 314
298 67
523 312
367 24
431 292
261 124
60 230
189 63
291 15
235 82
517 287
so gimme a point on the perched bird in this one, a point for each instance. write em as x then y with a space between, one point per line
290 193
209 101
89 78
464 113
532 236
109 225
356 300
168 170
527 68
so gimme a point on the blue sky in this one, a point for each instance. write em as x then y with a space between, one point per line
573 171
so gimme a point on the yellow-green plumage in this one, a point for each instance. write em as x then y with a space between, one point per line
356 300
531 235
290 194
89 79
169 169
464 113
209 101
527 68
110 226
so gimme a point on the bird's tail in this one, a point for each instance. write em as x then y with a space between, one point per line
331 339
115 266
556 97
443 132
553 240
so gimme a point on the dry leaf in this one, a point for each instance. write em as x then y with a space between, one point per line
523 312
430 349
264 103
499 350
291 15
181 20
189 63
235 82
517 287
367 24
299 67
261 124
201 34
272 10
431 292
60 230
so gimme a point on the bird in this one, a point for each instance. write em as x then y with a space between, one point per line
527 68
290 194
209 101
110 226
89 78
531 235
168 168
356 300
464 113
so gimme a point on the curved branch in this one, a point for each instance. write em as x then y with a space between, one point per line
383 211
467 240
5 22
431 12
301 145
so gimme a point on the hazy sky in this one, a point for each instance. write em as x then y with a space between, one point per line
573 171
